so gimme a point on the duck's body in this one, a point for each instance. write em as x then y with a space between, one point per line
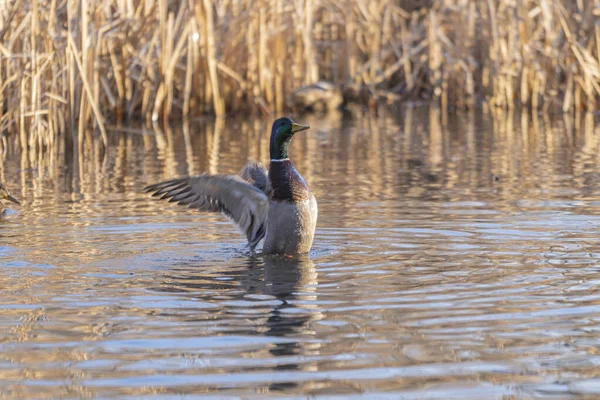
4 194
292 216
276 205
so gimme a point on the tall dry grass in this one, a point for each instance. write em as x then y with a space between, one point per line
69 64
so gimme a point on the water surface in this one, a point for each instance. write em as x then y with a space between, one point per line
456 255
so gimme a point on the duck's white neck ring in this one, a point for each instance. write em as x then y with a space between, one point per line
280 160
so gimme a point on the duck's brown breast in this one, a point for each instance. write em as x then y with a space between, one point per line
286 184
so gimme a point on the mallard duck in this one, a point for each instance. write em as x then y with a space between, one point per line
319 96
276 204
4 194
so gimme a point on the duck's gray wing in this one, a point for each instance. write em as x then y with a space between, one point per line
242 202
255 174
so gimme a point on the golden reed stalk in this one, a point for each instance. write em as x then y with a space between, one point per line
66 65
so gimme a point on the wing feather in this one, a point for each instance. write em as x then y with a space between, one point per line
241 201
255 174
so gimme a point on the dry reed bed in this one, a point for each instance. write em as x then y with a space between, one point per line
67 63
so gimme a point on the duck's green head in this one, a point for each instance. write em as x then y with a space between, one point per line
281 134
4 194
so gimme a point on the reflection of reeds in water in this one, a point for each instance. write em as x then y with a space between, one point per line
66 65
372 156
422 154
338 145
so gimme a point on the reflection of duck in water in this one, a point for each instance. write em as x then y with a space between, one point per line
4 194
293 282
290 281
277 205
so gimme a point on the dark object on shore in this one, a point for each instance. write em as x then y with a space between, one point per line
277 205
320 96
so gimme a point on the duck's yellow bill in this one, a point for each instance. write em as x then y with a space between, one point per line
11 198
299 127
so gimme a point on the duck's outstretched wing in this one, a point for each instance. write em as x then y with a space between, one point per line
242 202
255 174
